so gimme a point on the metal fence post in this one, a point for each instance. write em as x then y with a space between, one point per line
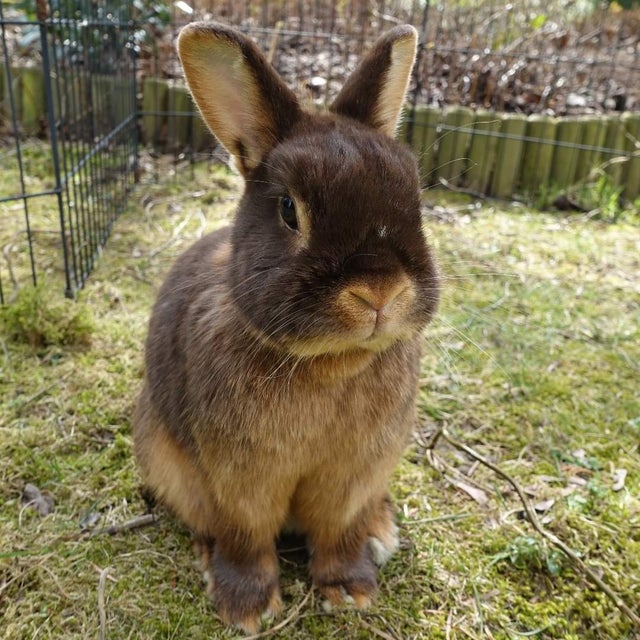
42 14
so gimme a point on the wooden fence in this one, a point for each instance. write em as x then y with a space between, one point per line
501 154
497 154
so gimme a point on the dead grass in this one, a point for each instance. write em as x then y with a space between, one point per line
534 362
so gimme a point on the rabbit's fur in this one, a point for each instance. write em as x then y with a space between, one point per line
282 357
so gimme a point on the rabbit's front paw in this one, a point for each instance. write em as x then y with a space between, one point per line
345 582
244 593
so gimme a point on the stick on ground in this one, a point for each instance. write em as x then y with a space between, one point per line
579 564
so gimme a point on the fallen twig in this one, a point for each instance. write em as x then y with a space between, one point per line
135 523
579 564
281 625
175 237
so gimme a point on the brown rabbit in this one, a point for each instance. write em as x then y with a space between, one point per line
283 351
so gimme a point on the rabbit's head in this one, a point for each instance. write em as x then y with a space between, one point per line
328 253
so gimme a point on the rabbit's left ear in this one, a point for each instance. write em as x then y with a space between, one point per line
375 91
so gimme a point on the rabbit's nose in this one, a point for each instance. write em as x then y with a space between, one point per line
378 296
374 300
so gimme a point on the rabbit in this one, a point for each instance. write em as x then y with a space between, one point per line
283 351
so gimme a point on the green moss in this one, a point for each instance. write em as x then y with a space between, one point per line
40 318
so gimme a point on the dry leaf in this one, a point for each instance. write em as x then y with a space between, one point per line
550 479
33 498
477 494
545 505
90 520
619 477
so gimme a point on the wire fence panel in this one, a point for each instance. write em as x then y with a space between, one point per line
68 76
94 105
556 57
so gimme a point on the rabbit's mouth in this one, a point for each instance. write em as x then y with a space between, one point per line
373 339
382 336
370 316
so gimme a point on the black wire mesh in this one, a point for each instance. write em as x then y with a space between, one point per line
555 57
81 55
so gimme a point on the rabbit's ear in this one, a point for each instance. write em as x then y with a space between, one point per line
240 96
375 91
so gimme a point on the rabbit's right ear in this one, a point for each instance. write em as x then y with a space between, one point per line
240 96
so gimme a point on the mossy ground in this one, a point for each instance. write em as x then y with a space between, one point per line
534 361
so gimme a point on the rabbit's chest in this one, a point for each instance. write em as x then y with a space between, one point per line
305 420
290 417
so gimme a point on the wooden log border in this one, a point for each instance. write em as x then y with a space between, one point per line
491 153
506 155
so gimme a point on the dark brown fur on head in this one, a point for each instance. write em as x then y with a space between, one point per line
283 352
362 193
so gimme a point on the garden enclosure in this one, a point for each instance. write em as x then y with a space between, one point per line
527 100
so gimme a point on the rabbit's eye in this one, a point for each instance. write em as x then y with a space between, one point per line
288 212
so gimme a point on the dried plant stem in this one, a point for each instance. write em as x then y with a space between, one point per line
40 393
273 44
578 563
281 625
101 607
377 632
6 252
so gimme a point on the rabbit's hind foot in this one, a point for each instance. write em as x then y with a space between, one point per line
383 532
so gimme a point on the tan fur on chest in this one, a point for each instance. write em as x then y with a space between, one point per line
292 415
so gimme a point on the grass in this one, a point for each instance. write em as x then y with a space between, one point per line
533 361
